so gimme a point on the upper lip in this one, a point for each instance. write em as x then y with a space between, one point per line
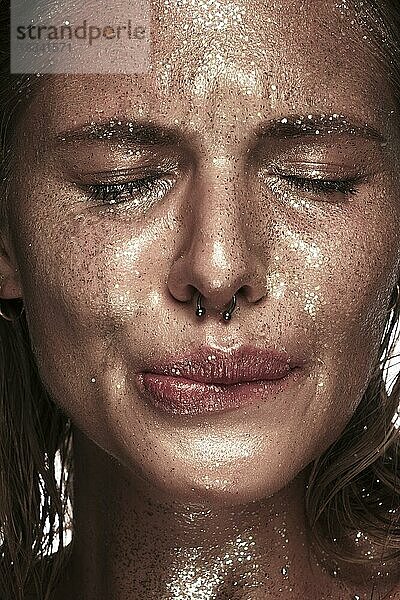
213 365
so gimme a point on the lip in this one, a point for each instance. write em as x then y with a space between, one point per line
210 379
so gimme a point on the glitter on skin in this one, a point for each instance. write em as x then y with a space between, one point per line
181 505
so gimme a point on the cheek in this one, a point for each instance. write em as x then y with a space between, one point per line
89 275
358 263
358 279
91 297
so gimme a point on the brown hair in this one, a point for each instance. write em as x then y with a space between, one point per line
354 486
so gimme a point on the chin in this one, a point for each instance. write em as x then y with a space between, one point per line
217 487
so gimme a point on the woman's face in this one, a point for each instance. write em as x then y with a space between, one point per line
246 122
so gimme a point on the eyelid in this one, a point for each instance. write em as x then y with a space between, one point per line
326 181
313 170
318 174
149 188
132 171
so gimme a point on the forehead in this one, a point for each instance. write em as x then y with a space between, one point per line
219 59
200 47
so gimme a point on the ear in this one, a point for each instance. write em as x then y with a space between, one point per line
10 284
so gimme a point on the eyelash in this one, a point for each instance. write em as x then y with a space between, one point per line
157 186
149 188
322 186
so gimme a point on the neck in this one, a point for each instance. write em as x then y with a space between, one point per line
131 541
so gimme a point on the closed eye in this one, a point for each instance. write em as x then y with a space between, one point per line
322 186
152 187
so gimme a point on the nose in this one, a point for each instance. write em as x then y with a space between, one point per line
220 256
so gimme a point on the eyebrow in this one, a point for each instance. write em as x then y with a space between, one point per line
293 126
134 132
148 133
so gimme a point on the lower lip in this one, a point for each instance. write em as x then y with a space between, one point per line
179 396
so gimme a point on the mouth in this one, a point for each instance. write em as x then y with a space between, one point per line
180 396
211 380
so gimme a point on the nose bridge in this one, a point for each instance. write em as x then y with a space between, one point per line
217 191
220 255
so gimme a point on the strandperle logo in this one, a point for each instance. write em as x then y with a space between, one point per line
84 31
63 36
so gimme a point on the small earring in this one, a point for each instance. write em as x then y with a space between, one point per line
7 318
394 300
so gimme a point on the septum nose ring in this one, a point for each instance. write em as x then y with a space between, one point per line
226 314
